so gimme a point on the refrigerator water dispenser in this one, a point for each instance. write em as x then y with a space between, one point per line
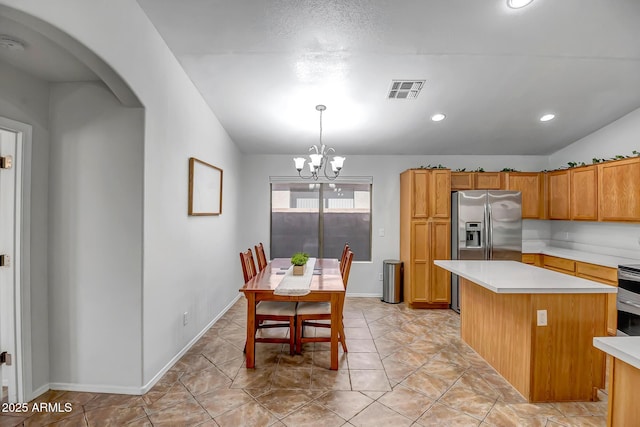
473 234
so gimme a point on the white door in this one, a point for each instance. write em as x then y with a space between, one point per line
8 278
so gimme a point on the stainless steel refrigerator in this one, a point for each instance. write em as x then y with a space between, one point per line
485 225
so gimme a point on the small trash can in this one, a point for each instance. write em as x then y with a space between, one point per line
392 281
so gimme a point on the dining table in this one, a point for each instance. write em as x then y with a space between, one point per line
326 285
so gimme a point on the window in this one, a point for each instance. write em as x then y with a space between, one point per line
319 218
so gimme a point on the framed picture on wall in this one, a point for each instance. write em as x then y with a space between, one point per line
205 188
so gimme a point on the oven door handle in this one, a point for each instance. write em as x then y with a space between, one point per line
631 303
627 275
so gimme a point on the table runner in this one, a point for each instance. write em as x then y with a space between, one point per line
296 285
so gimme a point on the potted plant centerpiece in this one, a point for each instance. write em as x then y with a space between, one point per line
299 261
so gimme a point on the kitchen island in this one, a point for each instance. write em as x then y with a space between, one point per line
624 378
534 326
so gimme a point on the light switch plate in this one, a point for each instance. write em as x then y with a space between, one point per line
542 317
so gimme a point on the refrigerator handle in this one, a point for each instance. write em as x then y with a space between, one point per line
485 233
489 232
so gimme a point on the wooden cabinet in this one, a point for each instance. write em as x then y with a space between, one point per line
440 194
532 259
488 181
560 265
597 273
619 190
608 276
558 189
425 206
477 181
531 185
584 193
440 249
461 181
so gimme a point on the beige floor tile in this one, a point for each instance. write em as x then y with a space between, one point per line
357 333
364 361
361 346
223 400
111 415
325 379
249 414
407 402
345 403
313 415
293 377
443 416
282 402
417 356
369 380
468 401
426 384
205 381
504 416
377 414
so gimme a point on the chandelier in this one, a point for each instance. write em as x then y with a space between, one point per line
319 158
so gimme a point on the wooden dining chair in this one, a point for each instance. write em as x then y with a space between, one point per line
309 313
270 311
343 257
262 259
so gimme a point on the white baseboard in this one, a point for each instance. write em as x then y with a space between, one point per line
186 348
350 295
95 388
37 392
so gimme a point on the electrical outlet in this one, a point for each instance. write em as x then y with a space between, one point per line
542 317
185 318
639 240
379 276
381 232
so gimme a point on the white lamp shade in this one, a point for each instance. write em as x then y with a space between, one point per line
311 167
338 161
333 166
299 161
316 159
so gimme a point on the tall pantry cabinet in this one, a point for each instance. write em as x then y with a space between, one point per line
425 235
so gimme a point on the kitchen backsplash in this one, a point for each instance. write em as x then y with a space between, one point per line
607 238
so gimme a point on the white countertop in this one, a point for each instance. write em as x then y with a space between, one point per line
576 255
512 277
626 349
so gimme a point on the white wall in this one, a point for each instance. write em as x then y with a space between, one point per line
385 171
186 260
620 137
95 238
26 99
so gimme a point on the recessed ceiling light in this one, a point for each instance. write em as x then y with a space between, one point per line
547 117
517 4
438 117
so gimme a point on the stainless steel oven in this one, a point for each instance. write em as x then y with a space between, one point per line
629 300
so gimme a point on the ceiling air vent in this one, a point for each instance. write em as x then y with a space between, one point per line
405 89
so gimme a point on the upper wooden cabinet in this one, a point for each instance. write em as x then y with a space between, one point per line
558 199
477 181
440 193
531 185
619 190
488 181
462 181
584 193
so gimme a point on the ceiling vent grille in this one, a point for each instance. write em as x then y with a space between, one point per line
405 89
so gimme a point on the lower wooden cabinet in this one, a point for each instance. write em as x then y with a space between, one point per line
585 270
426 285
608 276
532 259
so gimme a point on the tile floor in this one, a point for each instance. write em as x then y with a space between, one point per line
404 368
